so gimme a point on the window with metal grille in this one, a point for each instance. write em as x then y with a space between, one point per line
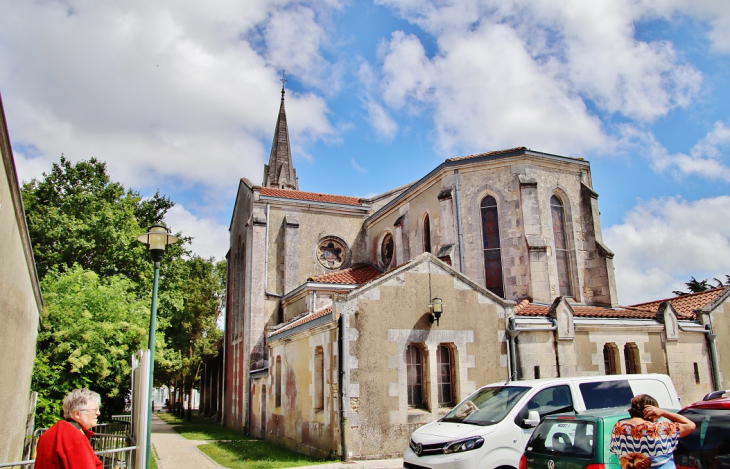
562 254
491 246
414 367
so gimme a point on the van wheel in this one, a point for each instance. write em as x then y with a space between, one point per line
505 467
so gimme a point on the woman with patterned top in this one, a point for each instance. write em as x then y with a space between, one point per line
643 442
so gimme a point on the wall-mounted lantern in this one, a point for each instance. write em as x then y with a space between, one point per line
437 309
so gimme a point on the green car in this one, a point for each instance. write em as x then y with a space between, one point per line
574 441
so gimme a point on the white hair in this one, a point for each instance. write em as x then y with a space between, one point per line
78 399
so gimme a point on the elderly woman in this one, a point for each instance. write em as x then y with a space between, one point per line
642 441
66 444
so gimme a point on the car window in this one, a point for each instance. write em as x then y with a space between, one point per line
565 437
604 394
709 444
549 401
486 406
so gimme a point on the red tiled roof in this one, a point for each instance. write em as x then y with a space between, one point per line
685 305
304 320
311 196
356 275
525 308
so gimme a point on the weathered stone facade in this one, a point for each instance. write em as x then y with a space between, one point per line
332 348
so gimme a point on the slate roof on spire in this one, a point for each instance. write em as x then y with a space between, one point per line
280 172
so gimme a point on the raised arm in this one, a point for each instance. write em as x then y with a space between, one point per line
686 426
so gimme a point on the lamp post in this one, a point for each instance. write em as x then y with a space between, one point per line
156 239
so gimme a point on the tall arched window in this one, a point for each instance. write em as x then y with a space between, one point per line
491 245
610 359
414 368
426 234
632 358
561 246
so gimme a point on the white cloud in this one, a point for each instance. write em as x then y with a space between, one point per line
357 167
535 73
172 89
664 242
210 238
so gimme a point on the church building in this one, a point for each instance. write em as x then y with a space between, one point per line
350 321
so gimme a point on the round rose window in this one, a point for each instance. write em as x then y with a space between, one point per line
332 253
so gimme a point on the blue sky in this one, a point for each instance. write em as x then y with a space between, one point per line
183 96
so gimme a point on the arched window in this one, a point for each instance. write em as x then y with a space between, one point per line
610 359
277 381
491 245
632 358
445 365
414 368
561 246
318 378
386 250
426 234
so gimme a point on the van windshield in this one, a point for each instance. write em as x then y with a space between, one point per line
486 406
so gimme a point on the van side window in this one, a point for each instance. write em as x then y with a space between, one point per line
546 402
601 395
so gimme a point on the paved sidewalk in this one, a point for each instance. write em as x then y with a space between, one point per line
177 452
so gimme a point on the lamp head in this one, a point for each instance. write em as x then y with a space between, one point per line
157 239
437 309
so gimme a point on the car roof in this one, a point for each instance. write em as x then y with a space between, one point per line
594 414
578 379
722 403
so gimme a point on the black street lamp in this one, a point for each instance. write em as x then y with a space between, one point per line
156 240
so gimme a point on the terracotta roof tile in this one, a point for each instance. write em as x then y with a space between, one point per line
356 275
524 308
303 320
311 196
685 305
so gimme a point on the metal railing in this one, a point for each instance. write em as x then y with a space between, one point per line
118 458
112 443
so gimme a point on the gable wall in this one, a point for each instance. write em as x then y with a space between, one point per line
383 321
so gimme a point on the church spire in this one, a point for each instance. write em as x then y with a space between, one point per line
280 172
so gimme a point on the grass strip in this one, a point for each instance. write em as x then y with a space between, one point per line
201 429
256 454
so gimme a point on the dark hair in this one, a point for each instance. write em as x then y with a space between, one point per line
639 402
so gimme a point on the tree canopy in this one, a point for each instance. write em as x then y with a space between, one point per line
96 280
696 286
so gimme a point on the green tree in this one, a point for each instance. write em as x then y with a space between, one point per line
77 215
90 326
696 286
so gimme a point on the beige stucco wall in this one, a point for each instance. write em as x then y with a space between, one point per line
19 310
387 316
296 423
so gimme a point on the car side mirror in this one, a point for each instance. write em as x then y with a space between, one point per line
533 418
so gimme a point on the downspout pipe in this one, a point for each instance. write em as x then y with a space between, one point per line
342 354
711 337
459 231
512 332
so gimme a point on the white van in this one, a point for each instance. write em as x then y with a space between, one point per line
490 428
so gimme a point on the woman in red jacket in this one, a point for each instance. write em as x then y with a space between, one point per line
66 444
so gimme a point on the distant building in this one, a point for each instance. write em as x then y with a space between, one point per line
21 304
332 343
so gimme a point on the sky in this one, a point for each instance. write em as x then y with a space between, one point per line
182 96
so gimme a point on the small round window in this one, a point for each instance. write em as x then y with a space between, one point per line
386 250
332 253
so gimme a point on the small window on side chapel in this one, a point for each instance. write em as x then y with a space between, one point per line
632 358
561 246
426 234
414 369
277 382
445 365
318 378
491 246
610 359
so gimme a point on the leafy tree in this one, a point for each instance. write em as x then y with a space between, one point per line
696 286
76 215
90 326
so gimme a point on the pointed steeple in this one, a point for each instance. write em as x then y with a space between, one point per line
280 172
